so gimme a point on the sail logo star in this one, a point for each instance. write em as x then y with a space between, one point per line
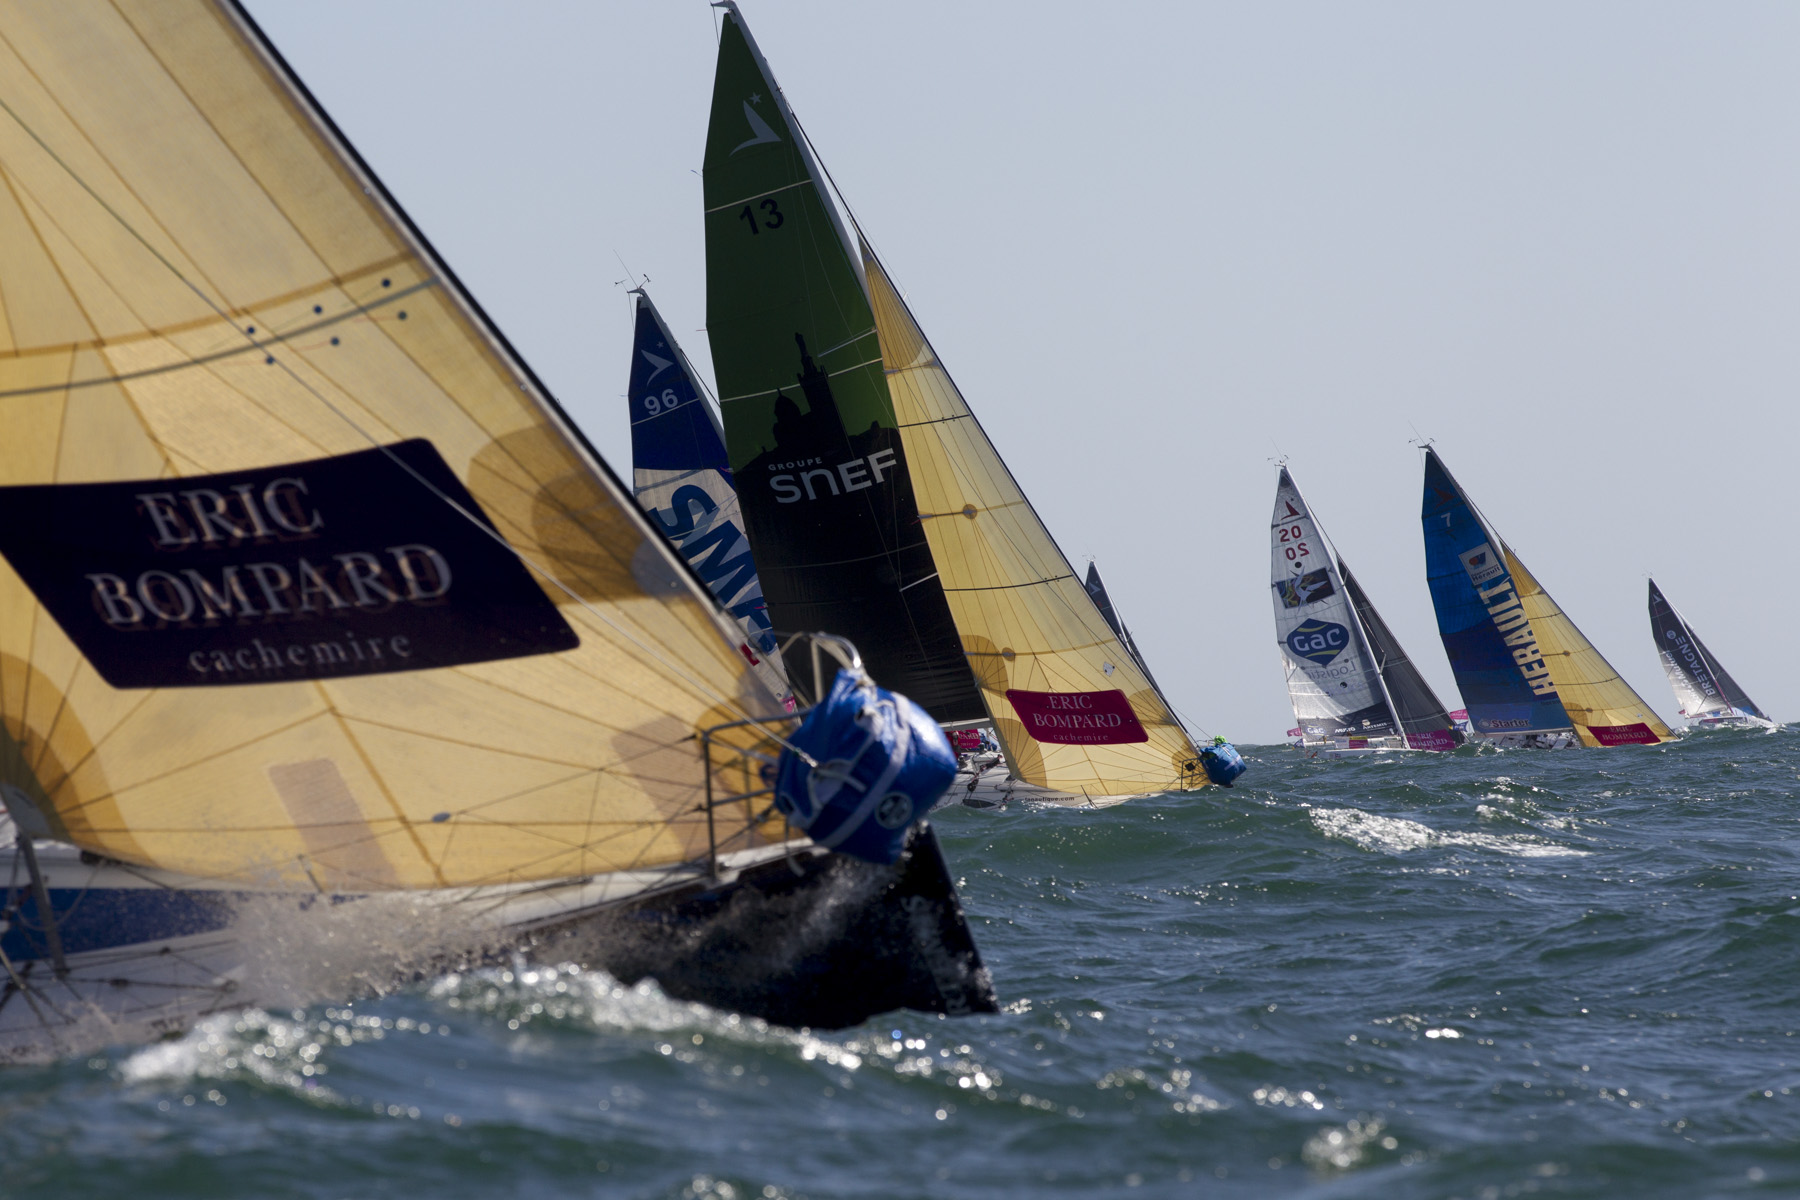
1318 641
661 364
759 128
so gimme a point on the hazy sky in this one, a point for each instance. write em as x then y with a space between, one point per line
1157 243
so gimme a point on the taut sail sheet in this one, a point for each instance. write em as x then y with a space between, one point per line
1421 714
820 464
683 480
265 470
1702 686
1073 707
1332 680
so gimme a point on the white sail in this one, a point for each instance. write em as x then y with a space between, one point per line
1332 681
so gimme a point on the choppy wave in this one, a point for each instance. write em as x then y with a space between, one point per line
1417 978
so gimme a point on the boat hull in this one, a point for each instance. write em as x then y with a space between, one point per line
982 781
795 935
817 940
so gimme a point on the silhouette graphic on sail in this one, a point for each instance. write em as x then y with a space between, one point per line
835 529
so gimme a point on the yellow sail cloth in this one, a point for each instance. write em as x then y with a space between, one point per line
1026 622
197 276
1592 692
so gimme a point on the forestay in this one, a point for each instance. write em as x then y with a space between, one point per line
1074 709
266 467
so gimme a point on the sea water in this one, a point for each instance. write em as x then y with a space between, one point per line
1475 975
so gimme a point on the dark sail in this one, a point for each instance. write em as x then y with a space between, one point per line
1416 706
1702 687
820 467
1103 602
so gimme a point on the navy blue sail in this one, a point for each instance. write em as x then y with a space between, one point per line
1466 565
682 478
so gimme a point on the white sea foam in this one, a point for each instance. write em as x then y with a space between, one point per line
1396 835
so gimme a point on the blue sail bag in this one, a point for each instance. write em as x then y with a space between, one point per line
882 763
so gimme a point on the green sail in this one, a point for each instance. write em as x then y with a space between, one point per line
809 425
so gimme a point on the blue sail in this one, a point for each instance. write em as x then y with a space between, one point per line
1465 563
683 480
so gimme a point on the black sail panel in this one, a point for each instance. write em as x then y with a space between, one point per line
1416 705
821 470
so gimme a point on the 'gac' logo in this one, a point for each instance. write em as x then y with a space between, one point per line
1318 641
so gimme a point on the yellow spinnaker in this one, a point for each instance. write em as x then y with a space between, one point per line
197 276
1026 621
1591 692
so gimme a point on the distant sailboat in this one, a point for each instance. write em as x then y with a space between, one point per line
314 603
1352 688
683 480
881 509
1527 674
1709 697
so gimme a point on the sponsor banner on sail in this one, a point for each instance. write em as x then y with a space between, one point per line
1637 734
820 467
682 478
1305 589
334 567
1078 718
1492 648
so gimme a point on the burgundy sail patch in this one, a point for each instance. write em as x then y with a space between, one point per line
1624 735
1078 718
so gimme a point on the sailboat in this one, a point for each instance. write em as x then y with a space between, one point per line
1353 689
1709 697
875 503
318 616
1096 590
1528 676
682 478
